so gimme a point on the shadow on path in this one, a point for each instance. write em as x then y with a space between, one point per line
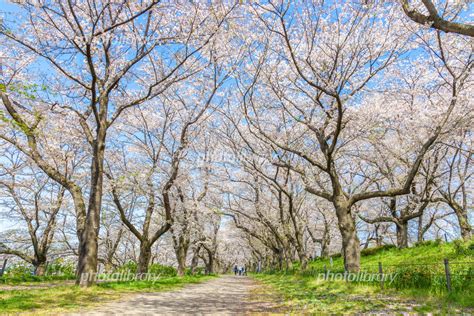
227 295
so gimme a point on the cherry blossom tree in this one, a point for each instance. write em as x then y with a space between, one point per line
101 58
444 21
218 133
111 237
34 200
315 73
453 184
158 138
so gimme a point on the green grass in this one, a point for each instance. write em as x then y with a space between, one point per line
307 295
427 254
67 298
419 277
33 279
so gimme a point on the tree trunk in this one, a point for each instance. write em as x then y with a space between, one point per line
402 234
88 245
181 253
464 226
420 231
210 264
288 255
144 257
304 261
350 241
378 238
40 268
108 267
280 260
195 260
301 254
87 262
325 243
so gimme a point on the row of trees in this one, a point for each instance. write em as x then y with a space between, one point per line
361 111
103 67
229 130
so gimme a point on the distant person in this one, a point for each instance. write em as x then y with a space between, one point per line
240 271
244 271
236 269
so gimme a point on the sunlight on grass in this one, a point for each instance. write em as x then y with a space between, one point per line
67 298
304 294
429 254
419 286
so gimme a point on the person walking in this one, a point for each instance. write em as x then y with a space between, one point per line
236 269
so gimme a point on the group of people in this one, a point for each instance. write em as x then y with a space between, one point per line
240 270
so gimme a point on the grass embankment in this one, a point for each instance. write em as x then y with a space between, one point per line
68 298
419 285
35 280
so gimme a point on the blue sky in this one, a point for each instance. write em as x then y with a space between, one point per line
8 6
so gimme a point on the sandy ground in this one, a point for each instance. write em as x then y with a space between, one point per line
227 295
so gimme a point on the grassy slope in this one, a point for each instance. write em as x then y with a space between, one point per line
312 295
424 254
302 295
68 298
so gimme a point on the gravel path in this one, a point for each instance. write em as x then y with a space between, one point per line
226 295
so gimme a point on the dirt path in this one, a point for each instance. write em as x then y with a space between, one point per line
226 295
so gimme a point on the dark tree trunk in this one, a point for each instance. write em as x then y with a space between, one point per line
464 226
40 268
350 240
87 262
195 260
181 254
144 257
280 260
325 241
210 263
402 234
304 261
421 229
378 238
88 244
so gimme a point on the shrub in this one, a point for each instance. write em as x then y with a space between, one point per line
374 250
60 267
336 255
24 272
416 277
435 242
197 271
471 246
19 270
162 270
129 267
463 248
